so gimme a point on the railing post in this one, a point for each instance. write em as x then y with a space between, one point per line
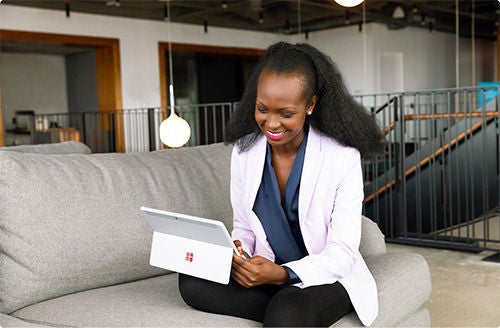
401 218
151 129
84 128
398 148
112 135
32 129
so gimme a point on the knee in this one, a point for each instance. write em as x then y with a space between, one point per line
287 308
189 288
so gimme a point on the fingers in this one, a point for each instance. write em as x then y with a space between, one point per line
237 243
240 263
240 279
243 278
242 271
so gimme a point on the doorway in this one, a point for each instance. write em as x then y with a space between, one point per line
107 71
206 75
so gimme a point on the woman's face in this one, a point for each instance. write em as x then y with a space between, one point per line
281 110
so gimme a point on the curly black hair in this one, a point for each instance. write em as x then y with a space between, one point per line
336 114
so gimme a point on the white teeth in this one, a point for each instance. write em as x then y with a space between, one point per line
275 133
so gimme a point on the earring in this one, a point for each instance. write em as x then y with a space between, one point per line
309 113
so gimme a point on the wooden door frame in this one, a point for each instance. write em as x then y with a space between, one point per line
108 71
163 48
2 133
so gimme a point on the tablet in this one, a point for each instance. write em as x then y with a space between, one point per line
189 227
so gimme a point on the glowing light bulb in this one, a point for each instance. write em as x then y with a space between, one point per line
349 3
175 131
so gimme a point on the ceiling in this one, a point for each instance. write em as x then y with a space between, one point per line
290 17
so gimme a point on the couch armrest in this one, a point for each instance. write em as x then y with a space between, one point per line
403 284
372 240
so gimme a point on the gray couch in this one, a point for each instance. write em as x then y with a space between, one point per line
74 250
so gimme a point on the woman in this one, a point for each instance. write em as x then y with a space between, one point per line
296 192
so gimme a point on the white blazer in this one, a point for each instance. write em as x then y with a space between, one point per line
330 204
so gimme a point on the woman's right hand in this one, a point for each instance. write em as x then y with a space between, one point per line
256 271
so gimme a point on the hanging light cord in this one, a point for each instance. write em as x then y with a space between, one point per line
170 66
365 57
457 47
473 40
299 18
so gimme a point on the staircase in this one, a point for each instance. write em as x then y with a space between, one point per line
438 182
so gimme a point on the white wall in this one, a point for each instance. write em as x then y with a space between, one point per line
351 53
428 57
32 82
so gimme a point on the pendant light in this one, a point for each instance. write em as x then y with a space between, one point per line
349 3
174 131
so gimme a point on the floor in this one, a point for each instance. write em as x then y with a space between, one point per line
465 289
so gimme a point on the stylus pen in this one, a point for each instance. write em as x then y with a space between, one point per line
243 254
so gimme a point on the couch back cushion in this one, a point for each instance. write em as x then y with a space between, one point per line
72 222
67 147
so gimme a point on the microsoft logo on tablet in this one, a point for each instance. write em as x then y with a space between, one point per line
189 257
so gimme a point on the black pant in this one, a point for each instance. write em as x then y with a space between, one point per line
272 305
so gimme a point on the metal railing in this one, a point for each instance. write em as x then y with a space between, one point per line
138 128
96 129
207 121
438 182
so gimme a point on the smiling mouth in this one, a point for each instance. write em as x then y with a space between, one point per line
275 135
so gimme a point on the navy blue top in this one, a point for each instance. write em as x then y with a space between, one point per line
280 220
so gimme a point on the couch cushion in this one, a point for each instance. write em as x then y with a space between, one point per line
153 302
71 222
421 318
157 302
67 147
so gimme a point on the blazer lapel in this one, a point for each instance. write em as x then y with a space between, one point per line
310 171
255 166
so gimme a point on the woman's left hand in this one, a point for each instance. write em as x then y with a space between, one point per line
257 271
